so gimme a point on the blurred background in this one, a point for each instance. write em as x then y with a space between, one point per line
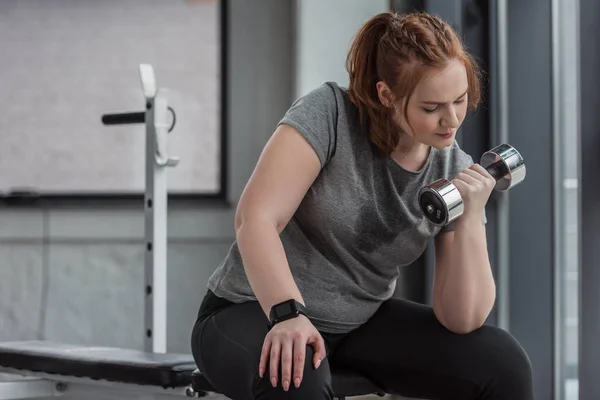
72 211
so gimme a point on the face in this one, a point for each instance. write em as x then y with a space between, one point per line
436 108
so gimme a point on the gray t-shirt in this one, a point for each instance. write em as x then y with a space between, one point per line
358 223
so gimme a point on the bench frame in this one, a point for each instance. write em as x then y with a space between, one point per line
40 385
156 119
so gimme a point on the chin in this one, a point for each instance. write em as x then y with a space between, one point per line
442 143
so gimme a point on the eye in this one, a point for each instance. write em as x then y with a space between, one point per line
460 101
430 110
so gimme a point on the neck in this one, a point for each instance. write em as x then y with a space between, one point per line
408 147
411 154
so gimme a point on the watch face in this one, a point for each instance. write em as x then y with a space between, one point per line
284 309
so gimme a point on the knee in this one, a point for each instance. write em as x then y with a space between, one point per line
509 363
316 383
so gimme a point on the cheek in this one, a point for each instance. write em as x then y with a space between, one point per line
423 123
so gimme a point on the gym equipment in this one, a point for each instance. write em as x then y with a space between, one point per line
88 372
441 202
155 203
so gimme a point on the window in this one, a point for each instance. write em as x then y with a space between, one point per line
65 63
567 202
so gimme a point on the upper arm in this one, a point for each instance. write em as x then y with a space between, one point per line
285 170
298 150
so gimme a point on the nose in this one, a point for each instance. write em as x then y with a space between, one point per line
450 119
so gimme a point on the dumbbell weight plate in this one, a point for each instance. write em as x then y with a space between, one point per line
513 166
440 202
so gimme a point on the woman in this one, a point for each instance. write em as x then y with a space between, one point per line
328 217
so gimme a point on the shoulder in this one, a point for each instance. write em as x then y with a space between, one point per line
315 116
325 97
324 94
452 160
459 157
314 107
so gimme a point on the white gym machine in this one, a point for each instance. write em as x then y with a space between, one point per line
57 369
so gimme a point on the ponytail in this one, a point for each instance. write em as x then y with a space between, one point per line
362 65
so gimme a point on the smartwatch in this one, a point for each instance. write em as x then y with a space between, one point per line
286 310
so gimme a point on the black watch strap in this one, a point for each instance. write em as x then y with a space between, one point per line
286 310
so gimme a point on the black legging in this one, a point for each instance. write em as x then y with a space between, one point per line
402 347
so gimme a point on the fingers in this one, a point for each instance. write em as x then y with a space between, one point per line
264 356
287 353
320 352
466 177
480 173
474 184
480 170
476 176
299 359
275 354
284 352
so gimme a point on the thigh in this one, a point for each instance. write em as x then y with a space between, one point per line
407 350
227 348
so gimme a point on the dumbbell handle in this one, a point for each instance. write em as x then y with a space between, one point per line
497 169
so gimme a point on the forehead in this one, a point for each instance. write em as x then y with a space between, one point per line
443 84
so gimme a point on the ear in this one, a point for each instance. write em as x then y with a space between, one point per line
386 97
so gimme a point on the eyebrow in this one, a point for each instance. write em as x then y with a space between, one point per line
435 103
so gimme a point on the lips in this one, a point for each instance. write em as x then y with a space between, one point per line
445 135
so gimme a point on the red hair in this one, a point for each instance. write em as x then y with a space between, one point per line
398 49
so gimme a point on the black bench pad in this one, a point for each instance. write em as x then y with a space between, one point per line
345 384
99 363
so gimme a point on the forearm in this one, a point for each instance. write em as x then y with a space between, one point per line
266 264
469 290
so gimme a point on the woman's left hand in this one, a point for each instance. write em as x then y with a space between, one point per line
475 185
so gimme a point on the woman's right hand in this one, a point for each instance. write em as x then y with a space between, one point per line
286 344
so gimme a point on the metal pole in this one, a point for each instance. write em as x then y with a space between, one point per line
155 206
499 88
155 116
503 137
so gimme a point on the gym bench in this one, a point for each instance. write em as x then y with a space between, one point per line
83 372
57 369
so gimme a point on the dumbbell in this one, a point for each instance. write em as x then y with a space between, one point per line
441 202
